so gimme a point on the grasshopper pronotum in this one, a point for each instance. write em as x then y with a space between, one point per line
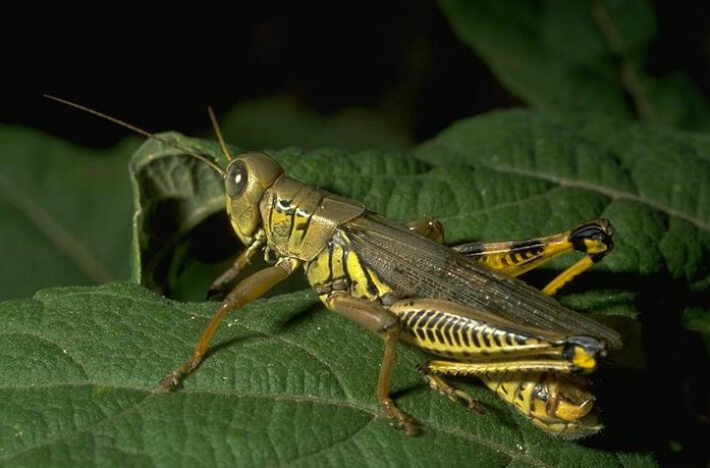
461 304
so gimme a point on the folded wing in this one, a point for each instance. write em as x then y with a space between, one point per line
415 266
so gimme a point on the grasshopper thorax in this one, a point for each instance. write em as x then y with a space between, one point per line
246 179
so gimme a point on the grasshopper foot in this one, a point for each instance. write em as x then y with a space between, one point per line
400 419
453 393
172 380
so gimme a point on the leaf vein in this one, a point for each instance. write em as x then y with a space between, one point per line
63 350
330 447
76 433
236 394
277 336
609 192
511 203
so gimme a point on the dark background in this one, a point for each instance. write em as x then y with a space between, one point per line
405 61
159 70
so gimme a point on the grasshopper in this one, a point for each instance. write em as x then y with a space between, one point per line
461 304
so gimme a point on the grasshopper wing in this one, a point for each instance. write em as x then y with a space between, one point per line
415 266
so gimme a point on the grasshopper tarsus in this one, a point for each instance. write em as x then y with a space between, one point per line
173 380
410 428
170 382
399 419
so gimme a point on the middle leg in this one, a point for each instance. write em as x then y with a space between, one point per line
379 320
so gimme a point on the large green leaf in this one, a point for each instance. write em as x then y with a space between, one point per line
290 384
64 212
498 176
587 56
506 175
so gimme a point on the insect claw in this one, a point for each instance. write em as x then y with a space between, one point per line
477 407
173 379
410 428
170 382
399 419
463 397
406 424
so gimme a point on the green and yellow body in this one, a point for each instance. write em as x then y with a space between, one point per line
523 364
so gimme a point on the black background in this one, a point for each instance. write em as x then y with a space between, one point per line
160 69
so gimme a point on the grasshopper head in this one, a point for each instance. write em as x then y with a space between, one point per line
246 179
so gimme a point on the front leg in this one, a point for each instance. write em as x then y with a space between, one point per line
233 271
248 290
377 319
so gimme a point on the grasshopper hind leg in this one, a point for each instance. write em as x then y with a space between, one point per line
513 258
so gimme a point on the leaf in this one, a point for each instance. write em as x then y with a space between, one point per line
290 383
543 168
507 175
173 193
581 57
280 122
65 212
517 174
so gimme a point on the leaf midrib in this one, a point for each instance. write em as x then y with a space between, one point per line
374 413
606 191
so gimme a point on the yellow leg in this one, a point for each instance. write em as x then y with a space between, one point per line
479 368
517 257
248 290
568 275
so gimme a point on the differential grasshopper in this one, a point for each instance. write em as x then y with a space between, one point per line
461 304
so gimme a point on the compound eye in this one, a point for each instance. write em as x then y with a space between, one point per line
236 179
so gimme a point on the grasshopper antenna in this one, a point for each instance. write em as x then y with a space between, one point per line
145 133
217 131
